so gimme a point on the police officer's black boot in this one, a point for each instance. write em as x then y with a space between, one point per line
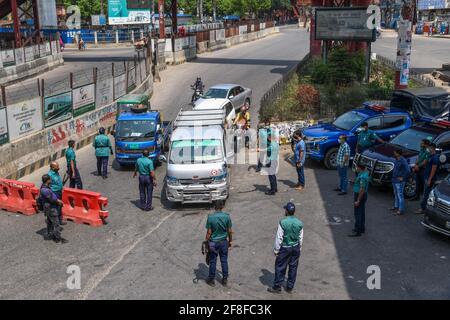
225 282
274 290
211 282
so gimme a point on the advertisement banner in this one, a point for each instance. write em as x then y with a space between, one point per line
120 86
24 118
404 50
57 108
343 24
3 127
131 79
20 56
104 94
7 57
36 51
83 99
29 54
47 14
128 12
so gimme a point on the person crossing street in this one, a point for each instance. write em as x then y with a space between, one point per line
147 180
72 170
103 149
287 249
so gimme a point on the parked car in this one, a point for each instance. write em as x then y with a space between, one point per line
322 140
437 213
380 159
238 95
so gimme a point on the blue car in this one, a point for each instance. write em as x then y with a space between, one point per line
322 140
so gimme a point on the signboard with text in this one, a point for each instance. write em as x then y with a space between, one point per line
83 99
343 24
128 12
104 94
57 108
24 118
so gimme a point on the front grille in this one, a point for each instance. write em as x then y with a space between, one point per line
196 181
139 151
367 162
444 207
384 167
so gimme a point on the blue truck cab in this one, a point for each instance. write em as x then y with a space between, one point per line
137 128
322 140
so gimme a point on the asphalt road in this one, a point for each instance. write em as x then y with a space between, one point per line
157 255
80 63
427 53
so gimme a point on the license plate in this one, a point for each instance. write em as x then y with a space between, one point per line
447 224
134 146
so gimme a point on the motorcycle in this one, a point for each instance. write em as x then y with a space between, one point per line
198 92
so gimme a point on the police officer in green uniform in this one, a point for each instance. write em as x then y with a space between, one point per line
103 148
219 236
419 168
72 170
287 249
360 189
147 180
366 138
56 185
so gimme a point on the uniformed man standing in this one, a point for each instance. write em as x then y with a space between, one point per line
56 185
360 189
272 157
147 180
219 236
366 138
51 206
419 168
72 170
103 148
287 249
300 158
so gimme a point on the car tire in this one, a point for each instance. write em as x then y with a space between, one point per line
330 159
410 188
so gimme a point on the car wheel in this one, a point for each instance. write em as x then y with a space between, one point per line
330 160
410 188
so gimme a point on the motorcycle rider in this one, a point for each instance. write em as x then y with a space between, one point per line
198 89
243 117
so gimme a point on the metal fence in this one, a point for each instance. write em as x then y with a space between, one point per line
416 76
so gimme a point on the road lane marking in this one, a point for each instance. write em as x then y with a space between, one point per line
98 278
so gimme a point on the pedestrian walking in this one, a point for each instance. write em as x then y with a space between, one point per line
360 190
287 249
272 165
51 206
366 138
103 149
147 180
300 158
400 175
56 184
72 170
430 175
419 168
219 236
342 162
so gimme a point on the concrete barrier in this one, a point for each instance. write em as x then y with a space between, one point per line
24 156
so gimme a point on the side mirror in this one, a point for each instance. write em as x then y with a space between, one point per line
231 97
162 158
113 132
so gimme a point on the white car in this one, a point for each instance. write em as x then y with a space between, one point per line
212 104
238 95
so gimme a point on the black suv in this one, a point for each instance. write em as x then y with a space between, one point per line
380 159
437 213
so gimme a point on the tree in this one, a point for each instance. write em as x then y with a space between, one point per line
87 7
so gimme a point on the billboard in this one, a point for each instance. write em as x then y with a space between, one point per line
128 12
104 94
57 108
24 118
120 86
47 14
3 127
83 99
343 24
431 4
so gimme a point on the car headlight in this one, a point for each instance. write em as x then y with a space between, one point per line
173 182
431 199
316 139
220 179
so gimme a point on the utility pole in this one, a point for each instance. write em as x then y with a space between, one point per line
404 44
162 24
214 7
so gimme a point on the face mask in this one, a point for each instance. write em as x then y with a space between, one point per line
341 141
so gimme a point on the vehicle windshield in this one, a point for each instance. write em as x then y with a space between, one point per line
135 129
412 138
347 121
215 93
126 107
196 151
